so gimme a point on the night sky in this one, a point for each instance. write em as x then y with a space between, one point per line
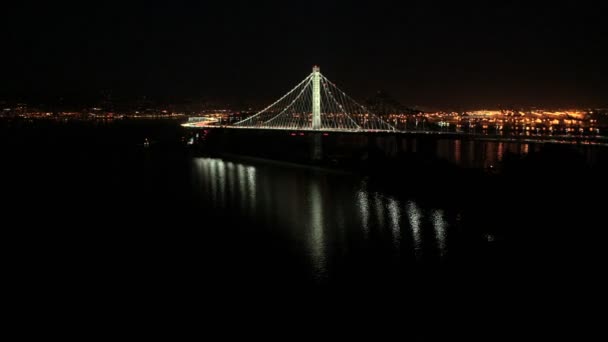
423 53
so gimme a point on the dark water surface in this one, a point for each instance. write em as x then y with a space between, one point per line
98 214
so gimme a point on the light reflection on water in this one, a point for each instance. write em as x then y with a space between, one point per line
251 187
221 178
317 243
241 175
414 216
470 153
440 230
379 208
362 197
323 214
213 180
395 216
231 182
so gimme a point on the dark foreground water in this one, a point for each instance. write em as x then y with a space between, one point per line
97 220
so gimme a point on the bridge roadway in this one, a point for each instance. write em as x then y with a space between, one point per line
540 138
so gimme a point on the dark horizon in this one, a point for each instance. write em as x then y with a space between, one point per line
424 55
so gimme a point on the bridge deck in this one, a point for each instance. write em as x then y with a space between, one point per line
559 139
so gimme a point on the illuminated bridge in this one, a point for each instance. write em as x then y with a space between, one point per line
315 104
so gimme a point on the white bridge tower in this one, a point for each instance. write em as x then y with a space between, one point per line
316 97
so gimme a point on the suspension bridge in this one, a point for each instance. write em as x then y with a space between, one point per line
314 104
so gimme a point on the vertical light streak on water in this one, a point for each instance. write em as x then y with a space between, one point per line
379 206
198 175
207 179
491 153
231 182
202 174
242 188
394 213
251 187
317 234
213 181
500 151
414 216
457 151
440 225
221 182
363 206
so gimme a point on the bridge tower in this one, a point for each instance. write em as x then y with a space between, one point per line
316 97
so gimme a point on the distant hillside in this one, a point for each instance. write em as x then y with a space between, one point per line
383 104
